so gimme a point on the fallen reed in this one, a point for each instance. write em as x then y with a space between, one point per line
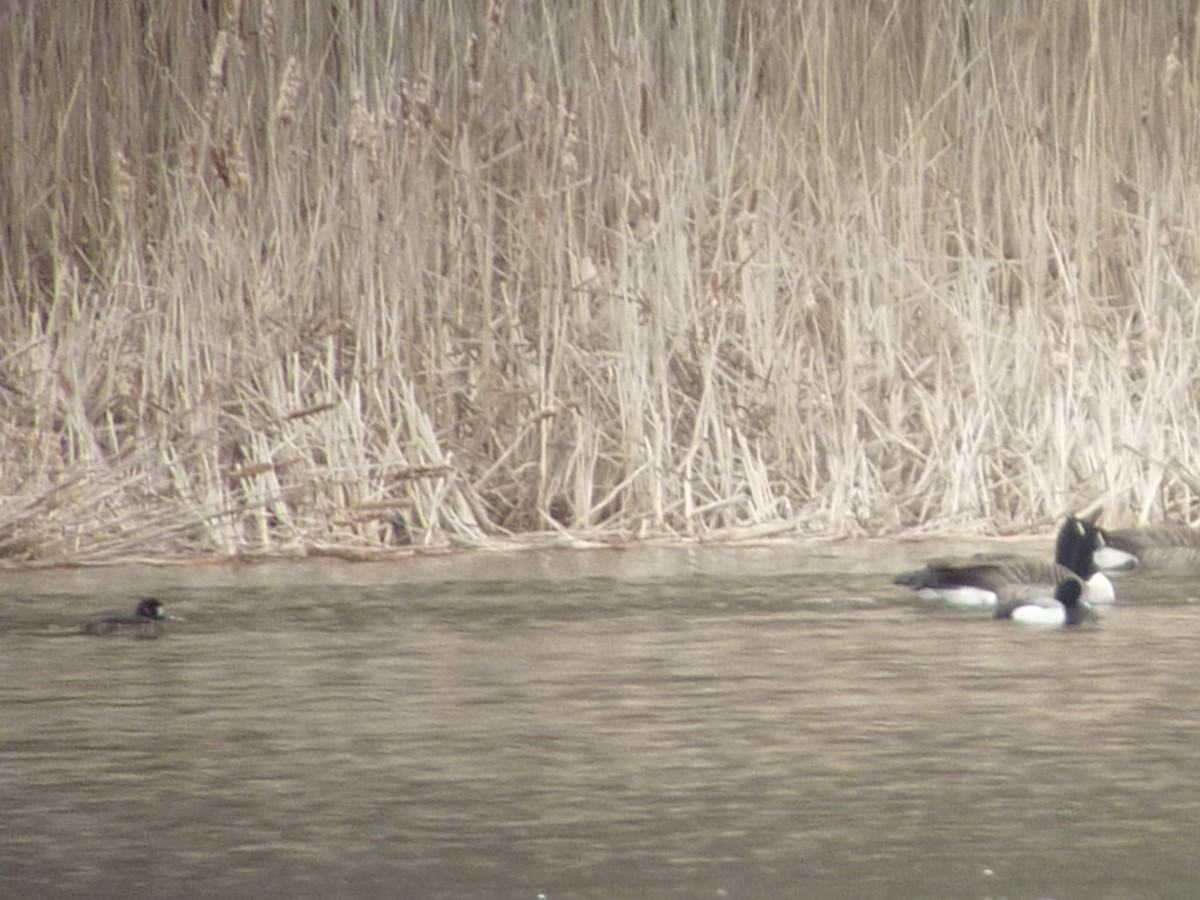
305 278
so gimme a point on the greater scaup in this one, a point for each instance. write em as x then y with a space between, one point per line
146 622
1066 607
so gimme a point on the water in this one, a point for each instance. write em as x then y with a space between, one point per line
704 723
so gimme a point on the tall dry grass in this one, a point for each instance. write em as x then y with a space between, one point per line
303 277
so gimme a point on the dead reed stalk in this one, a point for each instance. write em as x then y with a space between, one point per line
694 272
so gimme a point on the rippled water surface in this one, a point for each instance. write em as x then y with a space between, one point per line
691 723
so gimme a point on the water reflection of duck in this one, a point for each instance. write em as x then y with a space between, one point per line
986 583
146 622
1066 607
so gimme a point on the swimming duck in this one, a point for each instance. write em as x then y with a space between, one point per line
1066 607
1163 548
991 583
146 622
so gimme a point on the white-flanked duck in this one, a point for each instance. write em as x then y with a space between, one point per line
1066 607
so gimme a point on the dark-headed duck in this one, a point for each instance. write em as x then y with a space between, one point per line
1066 607
146 622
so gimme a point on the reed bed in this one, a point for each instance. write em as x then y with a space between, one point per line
312 277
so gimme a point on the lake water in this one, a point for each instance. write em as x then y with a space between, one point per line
650 723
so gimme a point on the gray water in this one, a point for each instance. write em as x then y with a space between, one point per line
700 723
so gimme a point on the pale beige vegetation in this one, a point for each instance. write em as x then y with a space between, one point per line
351 277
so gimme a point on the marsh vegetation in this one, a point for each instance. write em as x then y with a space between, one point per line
354 277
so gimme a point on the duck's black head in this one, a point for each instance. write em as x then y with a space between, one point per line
1069 593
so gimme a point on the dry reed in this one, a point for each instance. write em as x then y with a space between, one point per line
297 278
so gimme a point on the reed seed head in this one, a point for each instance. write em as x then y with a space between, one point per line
290 86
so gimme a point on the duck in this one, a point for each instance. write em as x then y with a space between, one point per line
1161 548
146 622
990 583
1066 607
